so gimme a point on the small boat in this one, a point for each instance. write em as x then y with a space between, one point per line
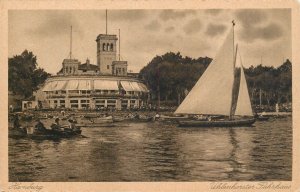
118 119
96 120
221 91
217 123
32 133
262 118
172 118
54 134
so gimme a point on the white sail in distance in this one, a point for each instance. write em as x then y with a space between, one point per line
212 93
243 107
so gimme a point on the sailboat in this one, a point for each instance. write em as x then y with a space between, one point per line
221 94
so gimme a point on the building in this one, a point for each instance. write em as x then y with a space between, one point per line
105 85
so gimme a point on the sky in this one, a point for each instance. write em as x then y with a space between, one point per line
261 34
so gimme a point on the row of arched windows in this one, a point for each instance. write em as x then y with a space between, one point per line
107 47
70 70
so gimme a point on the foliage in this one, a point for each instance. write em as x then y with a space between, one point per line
173 73
24 76
171 76
272 85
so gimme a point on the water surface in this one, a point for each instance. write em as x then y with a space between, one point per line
158 152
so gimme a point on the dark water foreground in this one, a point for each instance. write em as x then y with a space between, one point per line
158 152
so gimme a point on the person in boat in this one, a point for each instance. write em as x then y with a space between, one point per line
17 122
40 126
72 125
56 126
136 116
156 116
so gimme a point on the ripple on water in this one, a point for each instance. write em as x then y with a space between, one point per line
158 152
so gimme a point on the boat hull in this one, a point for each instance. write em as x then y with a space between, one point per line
217 123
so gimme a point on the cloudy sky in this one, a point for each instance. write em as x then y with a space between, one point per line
260 33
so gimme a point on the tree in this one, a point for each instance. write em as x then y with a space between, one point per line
24 76
174 75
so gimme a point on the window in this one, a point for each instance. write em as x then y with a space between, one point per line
74 106
107 47
85 101
55 101
73 101
111 47
73 91
63 92
107 66
62 101
103 47
111 101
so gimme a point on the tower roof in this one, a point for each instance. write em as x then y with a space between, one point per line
106 37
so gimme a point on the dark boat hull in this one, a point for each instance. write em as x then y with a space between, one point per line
51 134
217 123
262 118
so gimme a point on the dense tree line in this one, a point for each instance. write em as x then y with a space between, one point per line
171 76
24 75
269 85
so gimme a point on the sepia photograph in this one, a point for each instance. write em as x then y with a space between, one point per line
113 95
150 95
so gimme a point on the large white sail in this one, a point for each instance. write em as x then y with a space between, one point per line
243 106
212 93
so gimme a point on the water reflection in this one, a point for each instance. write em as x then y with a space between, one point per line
158 152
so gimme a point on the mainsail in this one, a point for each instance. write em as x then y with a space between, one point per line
243 107
212 94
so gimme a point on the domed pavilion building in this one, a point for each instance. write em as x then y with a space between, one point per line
88 86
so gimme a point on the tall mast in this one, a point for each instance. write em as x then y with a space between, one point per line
71 43
119 45
106 21
233 24
232 107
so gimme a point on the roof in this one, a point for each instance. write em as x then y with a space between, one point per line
134 86
93 84
88 67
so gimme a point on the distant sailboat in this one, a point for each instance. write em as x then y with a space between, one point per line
221 91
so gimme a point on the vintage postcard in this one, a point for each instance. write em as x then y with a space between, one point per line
150 96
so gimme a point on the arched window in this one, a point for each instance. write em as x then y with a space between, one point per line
107 47
70 70
103 47
111 47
